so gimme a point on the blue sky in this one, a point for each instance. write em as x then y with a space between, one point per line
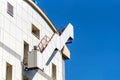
95 51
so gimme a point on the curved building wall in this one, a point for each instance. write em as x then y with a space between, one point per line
16 29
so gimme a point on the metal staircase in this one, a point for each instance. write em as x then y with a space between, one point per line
47 46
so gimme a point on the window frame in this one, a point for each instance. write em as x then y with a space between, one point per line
54 73
25 52
35 31
9 71
25 78
10 9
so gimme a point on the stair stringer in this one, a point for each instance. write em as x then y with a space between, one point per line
57 42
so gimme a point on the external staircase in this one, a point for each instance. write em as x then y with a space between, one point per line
38 58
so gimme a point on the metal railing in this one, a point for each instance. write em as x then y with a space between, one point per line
44 42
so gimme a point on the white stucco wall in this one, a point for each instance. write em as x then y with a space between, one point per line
14 30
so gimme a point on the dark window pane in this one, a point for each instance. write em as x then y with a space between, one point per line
9 9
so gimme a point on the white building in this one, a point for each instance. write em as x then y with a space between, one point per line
31 48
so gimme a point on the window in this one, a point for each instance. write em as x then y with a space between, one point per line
35 31
26 49
8 72
9 9
25 78
53 71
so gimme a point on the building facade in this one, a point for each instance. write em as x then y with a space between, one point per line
31 48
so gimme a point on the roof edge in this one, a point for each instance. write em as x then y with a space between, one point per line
43 15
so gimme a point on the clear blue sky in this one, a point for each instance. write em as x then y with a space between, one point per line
95 51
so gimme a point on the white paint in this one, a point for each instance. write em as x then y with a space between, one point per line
14 30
